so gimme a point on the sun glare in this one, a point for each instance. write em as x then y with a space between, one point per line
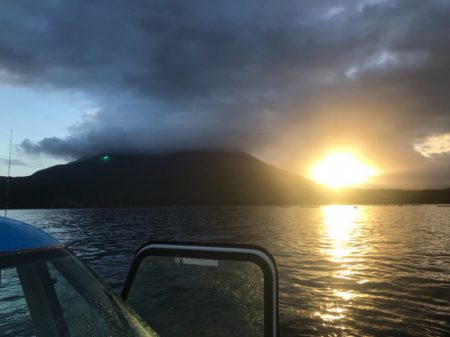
341 170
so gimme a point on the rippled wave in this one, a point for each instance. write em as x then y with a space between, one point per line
344 270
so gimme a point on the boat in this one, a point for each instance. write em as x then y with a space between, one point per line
47 291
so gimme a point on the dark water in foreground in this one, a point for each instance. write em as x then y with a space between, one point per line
366 271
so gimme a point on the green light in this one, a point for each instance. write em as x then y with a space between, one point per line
106 158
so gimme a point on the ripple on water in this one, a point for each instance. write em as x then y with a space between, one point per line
371 270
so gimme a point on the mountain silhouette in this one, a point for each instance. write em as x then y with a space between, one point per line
185 178
195 178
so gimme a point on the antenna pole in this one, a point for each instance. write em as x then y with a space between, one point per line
9 173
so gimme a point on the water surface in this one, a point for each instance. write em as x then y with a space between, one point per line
344 270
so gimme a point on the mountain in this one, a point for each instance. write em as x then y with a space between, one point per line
185 178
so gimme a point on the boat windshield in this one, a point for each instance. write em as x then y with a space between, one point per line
52 294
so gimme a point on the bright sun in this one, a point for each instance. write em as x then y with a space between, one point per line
341 169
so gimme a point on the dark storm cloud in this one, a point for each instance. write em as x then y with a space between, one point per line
249 75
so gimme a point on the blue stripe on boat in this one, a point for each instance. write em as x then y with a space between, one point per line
16 235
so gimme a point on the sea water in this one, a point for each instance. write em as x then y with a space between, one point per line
344 270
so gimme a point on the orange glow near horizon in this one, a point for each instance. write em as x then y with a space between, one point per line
342 169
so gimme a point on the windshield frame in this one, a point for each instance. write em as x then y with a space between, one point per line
53 257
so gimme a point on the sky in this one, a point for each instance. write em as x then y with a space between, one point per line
286 81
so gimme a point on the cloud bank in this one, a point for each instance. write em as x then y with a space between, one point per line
287 80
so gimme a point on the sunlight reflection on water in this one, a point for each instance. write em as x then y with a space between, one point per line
340 222
344 271
341 241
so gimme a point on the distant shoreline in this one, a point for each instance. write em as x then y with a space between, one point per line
225 206
188 179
